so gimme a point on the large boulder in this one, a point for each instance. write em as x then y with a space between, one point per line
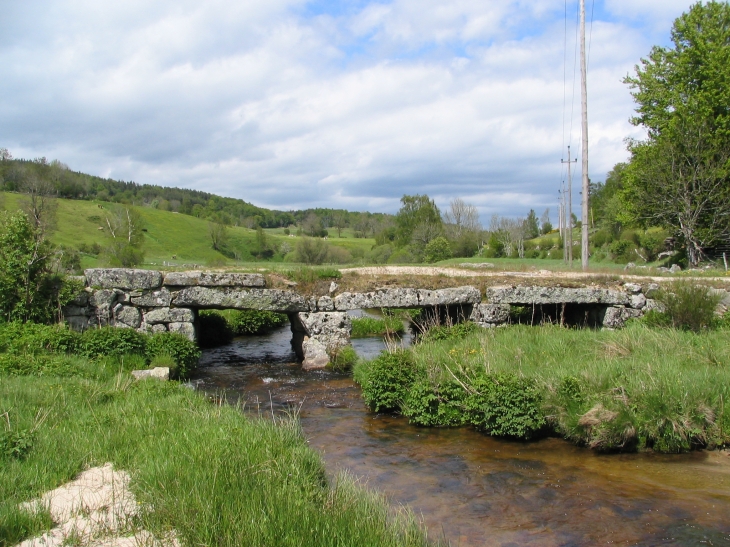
407 298
169 315
315 354
122 278
331 328
490 314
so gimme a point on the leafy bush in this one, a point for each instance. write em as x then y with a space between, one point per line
33 338
311 250
506 405
437 249
255 321
439 405
213 329
111 341
183 352
20 364
30 290
689 307
386 380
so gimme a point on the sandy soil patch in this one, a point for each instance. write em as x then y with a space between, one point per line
96 510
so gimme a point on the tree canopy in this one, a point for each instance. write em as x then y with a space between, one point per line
678 176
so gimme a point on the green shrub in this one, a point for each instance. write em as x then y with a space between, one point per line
255 321
111 341
506 405
385 380
33 338
689 307
213 329
436 250
184 352
438 405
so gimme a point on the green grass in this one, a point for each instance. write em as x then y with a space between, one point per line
372 326
632 389
208 471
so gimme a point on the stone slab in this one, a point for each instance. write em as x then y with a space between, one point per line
123 278
169 315
256 299
492 314
214 279
154 299
525 296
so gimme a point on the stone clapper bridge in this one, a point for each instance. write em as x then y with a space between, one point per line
152 301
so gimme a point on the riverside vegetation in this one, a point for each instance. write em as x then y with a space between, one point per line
207 471
643 387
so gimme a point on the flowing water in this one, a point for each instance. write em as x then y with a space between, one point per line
469 488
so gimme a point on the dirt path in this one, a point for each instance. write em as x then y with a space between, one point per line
535 274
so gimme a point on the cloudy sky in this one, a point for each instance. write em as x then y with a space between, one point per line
291 104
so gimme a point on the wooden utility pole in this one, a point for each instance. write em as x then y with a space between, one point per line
584 134
569 215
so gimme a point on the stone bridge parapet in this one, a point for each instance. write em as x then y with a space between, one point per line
153 301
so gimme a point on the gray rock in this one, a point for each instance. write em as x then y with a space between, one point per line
651 290
632 288
654 305
169 315
184 328
451 296
257 299
214 279
662 269
325 303
103 299
490 314
315 354
122 278
153 299
637 301
333 287
616 317
525 296
675 268
629 266
158 373
407 298
381 298
332 329
129 316
80 300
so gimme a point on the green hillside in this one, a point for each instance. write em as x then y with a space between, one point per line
170 237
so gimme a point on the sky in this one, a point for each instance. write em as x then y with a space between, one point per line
291 104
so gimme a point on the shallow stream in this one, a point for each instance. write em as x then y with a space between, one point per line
472 489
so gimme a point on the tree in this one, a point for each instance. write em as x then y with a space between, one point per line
311 250
461 217
532 228
39 203
125 228
340 222
437 249
545 225
218 233
30 290
418 221
679 176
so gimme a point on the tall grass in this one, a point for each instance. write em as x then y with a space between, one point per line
630 389
373 326
207 471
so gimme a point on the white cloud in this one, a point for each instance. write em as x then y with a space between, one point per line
259 101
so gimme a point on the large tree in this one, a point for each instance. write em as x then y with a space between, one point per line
418 221
678 176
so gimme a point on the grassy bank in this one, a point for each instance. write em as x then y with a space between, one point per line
633 389
374 326
205 470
